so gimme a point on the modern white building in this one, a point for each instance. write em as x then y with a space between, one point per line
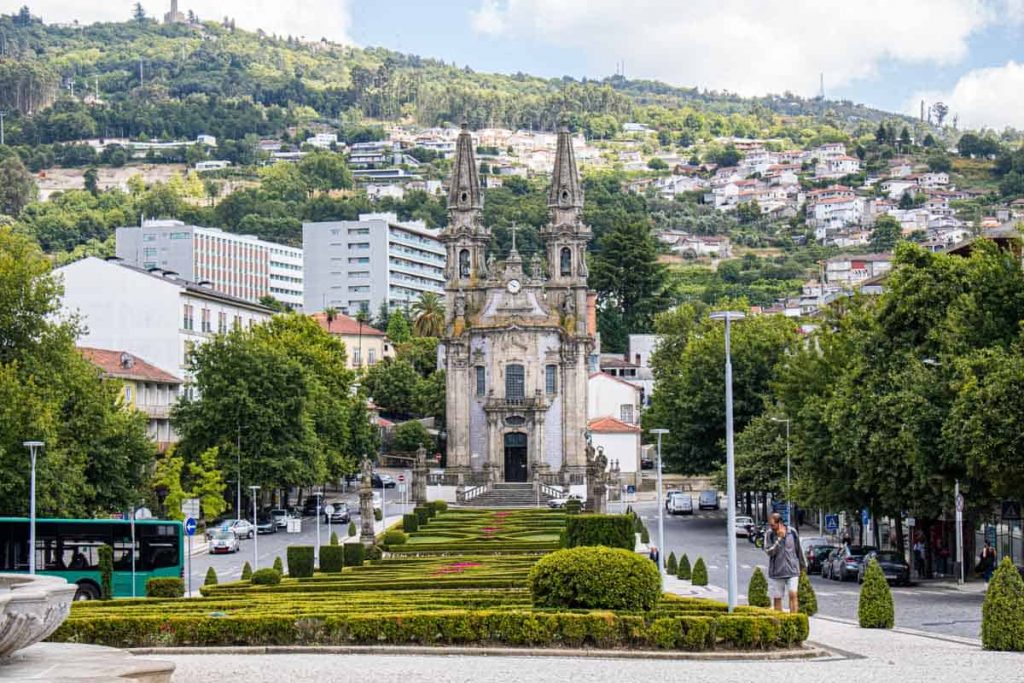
243 266
351 265
613 415
156 315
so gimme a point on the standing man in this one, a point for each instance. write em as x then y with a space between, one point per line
988 561
785 562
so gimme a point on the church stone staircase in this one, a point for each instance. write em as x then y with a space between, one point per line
508 495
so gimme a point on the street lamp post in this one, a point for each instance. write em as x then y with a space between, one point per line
730 453
255 532
238 465
316 554
33 447
661 508
789 481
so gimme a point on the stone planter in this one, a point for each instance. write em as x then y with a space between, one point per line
31 608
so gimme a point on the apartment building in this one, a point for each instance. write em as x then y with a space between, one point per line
242 266
351 265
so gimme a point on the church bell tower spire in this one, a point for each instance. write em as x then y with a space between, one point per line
566 235
465 237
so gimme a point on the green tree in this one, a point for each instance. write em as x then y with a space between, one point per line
409 436
325 171
393 384
17 187
657 164
96 453
428 315
885 234
628 278
91 179
398 328
139 13
689 397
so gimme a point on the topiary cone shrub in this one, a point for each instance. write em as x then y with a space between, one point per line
1002 614
684 568
757 590
805 594
334 538
875 610
351 528
246 571
266 577
595 578
699 576
279 565
645 536
211 577
671 566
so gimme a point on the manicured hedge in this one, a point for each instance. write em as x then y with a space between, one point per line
613 531
523 629
165 587
300 560
439 505
268 576
395 537
1002 614
422 514
354 554
595 577
410 522
332 558
875 609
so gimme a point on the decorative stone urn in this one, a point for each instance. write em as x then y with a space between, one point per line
31 608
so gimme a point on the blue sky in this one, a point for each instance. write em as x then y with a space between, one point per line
886 53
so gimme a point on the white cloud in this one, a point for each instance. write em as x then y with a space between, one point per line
313 19
992 97
488 20
749 47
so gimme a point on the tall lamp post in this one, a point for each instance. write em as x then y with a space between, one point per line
661 508
730 452
255 532
33 447
789 472
238 465
316 553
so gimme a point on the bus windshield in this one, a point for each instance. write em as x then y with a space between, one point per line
70 548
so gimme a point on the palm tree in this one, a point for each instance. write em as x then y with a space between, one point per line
362 317
331 314
428 315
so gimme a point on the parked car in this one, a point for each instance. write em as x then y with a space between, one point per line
265 524
223 542
708 500
219 524
383 481
242 528
309 506
846 562
281 517
340 515
668 497
826 562
559 503
895 568
680 504
646 464
743 526
815 555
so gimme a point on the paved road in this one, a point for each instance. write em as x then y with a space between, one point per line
229 566
923 607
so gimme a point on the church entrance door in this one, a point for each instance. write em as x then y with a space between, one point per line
515 456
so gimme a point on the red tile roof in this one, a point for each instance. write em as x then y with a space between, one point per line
346 325
611 425
126 366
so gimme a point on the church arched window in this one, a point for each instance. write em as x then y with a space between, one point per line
464 263
565 260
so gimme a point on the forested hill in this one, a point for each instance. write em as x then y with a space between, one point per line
181 80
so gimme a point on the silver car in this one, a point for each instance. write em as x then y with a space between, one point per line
242 528
223 542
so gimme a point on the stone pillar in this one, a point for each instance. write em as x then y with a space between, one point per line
367 534
597 488
419 477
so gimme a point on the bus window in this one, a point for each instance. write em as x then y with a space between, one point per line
159 546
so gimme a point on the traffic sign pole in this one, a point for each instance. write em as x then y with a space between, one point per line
190 530
959 533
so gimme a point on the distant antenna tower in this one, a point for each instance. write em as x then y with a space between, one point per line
922 111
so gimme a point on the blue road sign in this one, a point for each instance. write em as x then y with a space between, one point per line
864 517
630 488
832 523
190 526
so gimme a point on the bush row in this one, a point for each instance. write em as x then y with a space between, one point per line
602 629
612 531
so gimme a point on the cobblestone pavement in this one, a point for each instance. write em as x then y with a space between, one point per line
867 655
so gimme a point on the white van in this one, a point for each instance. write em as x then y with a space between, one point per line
680 503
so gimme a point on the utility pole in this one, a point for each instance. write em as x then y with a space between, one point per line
2 112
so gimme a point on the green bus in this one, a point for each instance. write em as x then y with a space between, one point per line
70 548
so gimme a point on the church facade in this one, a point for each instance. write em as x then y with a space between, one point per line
519 335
